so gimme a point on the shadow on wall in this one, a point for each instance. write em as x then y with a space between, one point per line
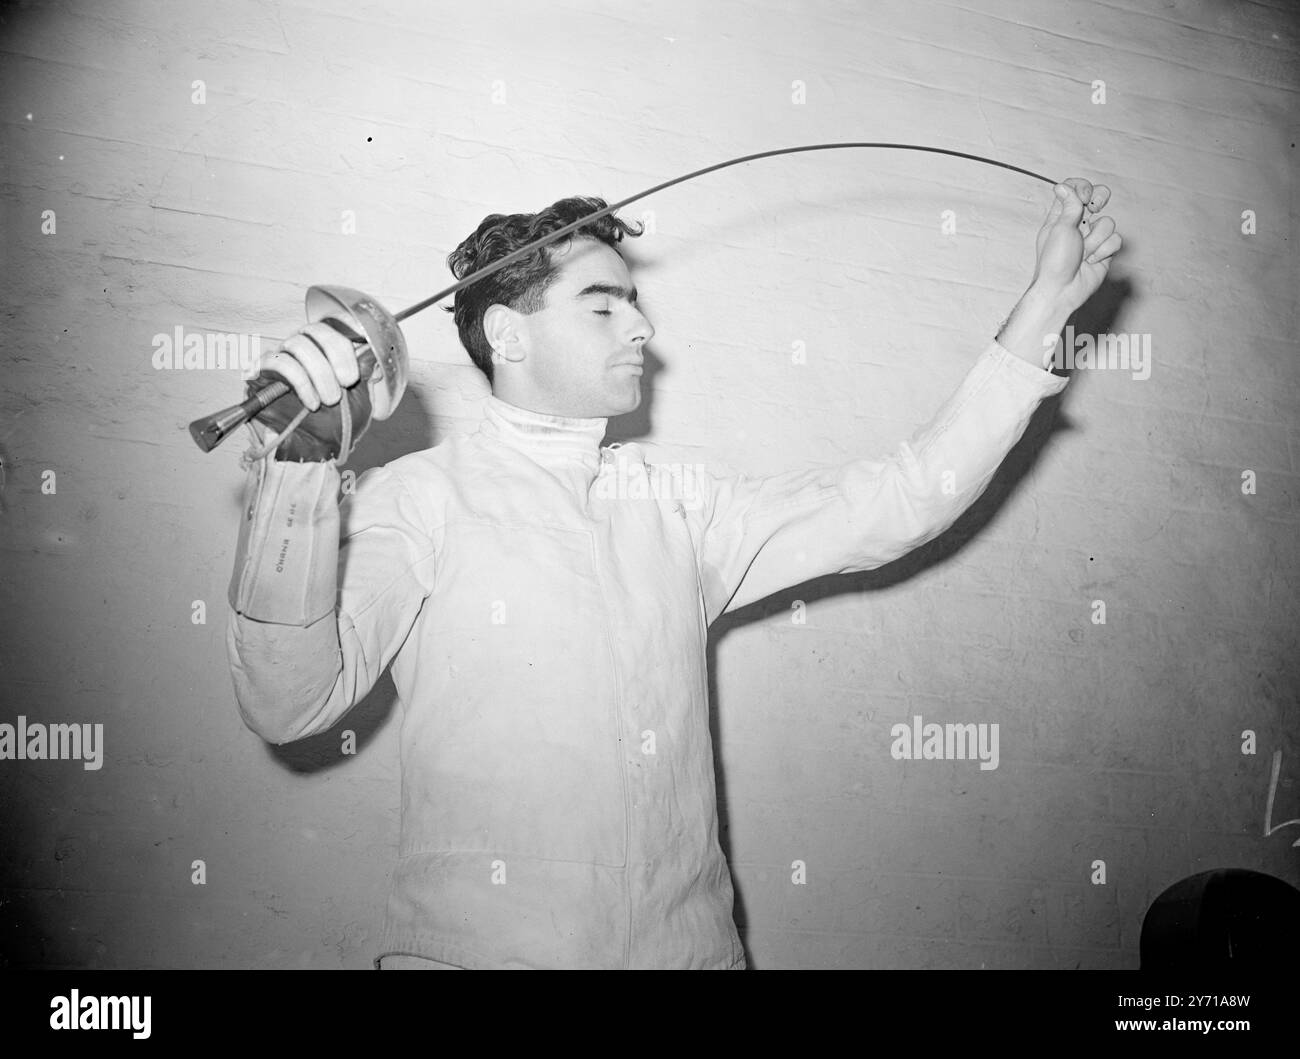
1100 315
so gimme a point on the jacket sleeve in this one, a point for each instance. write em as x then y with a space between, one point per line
755 536
314 620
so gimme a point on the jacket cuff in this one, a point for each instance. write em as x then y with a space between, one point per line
998 351
287 556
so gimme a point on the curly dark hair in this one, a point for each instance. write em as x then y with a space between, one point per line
522 285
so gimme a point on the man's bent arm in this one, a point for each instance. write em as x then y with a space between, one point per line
754 537
313 623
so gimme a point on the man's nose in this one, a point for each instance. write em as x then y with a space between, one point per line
641 327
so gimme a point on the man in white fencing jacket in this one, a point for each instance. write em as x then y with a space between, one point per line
544 601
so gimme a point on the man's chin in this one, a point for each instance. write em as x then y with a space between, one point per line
626 403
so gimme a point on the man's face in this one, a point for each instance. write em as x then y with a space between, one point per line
583 349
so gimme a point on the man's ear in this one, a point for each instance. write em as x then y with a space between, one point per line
501 326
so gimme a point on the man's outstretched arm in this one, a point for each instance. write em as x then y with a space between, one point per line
755 536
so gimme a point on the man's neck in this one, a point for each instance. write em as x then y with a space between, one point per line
544 436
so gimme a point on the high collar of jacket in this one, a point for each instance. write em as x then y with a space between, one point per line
548 439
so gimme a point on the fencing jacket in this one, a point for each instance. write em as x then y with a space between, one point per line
544 604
